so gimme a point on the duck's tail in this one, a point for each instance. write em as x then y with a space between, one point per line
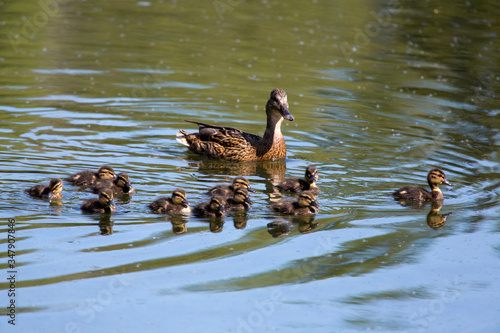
181 137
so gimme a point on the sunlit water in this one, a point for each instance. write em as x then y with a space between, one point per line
381 93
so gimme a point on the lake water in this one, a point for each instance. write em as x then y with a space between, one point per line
381 92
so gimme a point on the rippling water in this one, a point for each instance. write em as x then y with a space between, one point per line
381 92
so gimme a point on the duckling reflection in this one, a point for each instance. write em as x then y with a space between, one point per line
435 177
105 225
120 185
278 229
51 191
435 220
240 220
89 177
216 225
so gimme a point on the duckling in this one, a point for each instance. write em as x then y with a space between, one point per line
305 204
177 204
231 144
88 177
434 178
211 208
298 185
240 201
51 191
120 185
227 191
103 204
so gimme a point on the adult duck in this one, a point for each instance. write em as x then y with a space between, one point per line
231 144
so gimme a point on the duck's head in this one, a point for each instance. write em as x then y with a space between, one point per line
278 102
311 175
106 172
307 199
106 198
437 177
123 181
217 206
242 182
179 197
55 187
241 196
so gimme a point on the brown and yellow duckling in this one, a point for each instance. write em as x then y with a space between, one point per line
177 204
231 144
415 193
211 208
89 177
103 204
308 183
50 191
240 201
120 185
304 204
228 190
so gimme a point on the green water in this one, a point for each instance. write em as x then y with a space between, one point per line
381 92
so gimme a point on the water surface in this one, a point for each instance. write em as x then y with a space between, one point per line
381 93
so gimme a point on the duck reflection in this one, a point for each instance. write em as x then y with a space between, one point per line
179 226
281 228
273 170
435 220
240 220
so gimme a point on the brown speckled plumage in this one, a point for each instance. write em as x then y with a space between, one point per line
304 204
415 193
231 144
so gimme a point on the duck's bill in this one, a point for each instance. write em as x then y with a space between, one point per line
446 183
314 204
287 115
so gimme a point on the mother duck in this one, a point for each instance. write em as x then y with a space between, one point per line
231 144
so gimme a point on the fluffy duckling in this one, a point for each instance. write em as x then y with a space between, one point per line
298 184
304 204
89 177
434 178
211 208
177 204
50 191
231 144
120 185
228 190
103 204
240 200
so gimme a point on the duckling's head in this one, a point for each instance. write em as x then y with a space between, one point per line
106 198
242 182
278 102
55 187
307 199
106 172
241 195
311 175
437 177
179 197
123 181
217 206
